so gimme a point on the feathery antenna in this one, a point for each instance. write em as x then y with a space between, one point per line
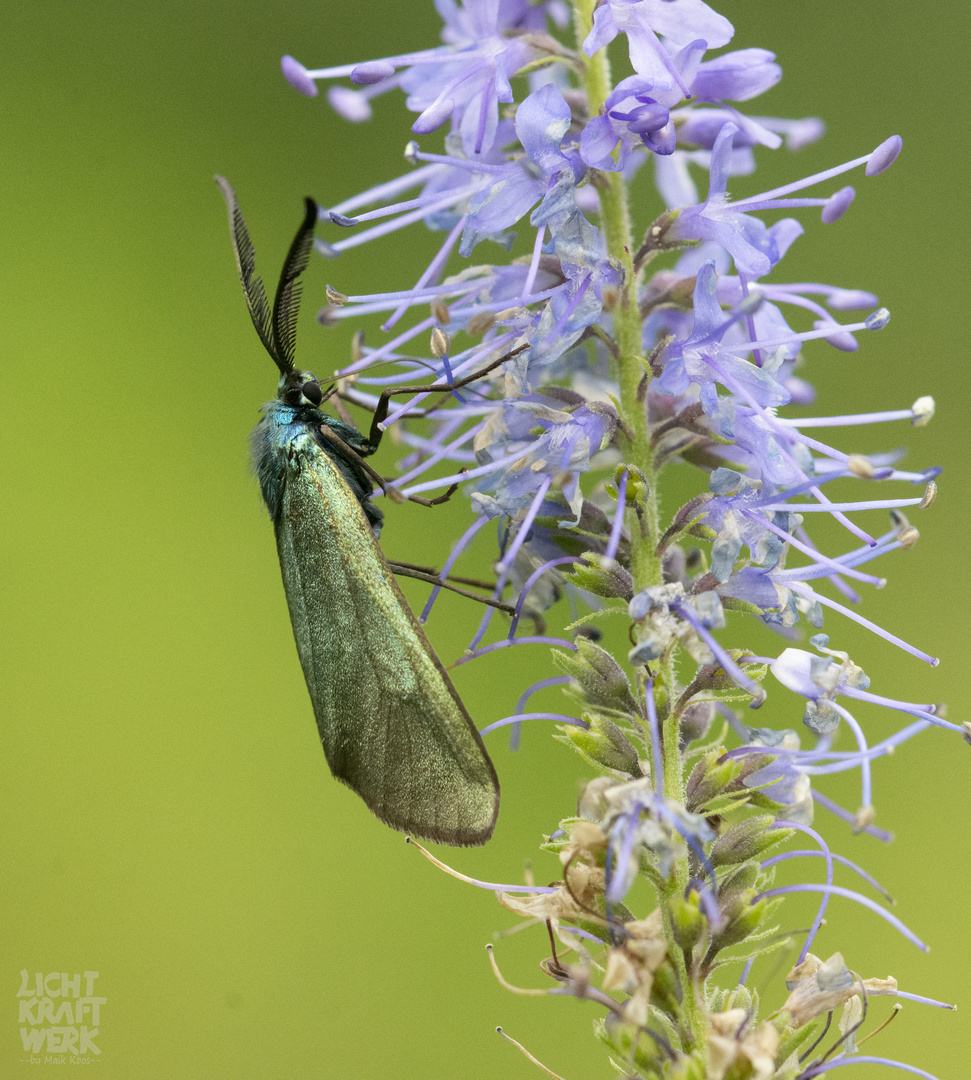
277 331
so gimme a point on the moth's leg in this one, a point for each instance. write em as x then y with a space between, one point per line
476 583
436 501
384 401
407 570
388 488
333 394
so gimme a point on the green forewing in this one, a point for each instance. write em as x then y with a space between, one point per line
391 723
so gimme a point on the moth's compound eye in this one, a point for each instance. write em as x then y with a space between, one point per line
312 392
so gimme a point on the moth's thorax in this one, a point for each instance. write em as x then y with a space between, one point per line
289 427
283 440
288 440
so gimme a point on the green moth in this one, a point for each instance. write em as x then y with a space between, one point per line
390 721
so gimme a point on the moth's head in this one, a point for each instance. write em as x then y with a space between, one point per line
300 389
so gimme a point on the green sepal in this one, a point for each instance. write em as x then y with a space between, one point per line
562 842
735 891
633 1047
731 603
714 683
666 990
725 804
791 1041
734 997
790 1069
688 1068
758 796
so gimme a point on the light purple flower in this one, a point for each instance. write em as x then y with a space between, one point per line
746 238
632 116
679 22
548 441
690 361
542 120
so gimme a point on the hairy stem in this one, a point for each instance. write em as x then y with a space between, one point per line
645 528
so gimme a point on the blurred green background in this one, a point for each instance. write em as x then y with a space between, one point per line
167 816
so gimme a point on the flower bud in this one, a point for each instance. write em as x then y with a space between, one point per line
687 921
746 840
602 577
695 721
710 777
603 743
601 678
748 917
666 992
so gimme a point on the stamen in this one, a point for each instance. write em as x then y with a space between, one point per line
863 1059
837 890
657 758
491 885
457 550
841 859
824 902
519 1046
517 718
431 272
828 804
617 528
537 639
531 581
804 590
542 684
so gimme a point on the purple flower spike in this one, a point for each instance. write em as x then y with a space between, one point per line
555 378
296 75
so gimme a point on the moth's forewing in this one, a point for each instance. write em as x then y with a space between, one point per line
390 721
